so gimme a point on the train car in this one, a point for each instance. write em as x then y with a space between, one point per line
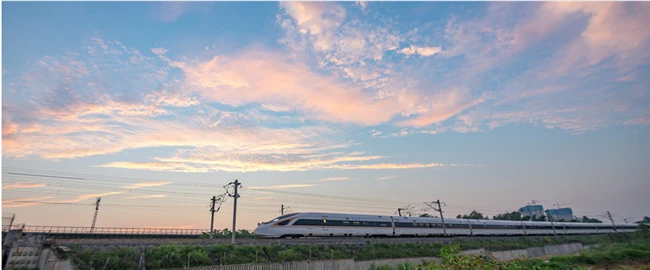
353 225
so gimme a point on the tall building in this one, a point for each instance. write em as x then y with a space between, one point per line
532 211
561 214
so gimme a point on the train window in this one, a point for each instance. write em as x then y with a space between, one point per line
356 223
284 222
324 220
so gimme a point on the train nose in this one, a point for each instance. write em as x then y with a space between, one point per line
259 230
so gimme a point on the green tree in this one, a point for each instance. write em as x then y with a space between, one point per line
586 219
515 215
473 215
646 220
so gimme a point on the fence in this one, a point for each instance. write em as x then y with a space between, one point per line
107 230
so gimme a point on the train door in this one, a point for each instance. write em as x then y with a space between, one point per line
325 226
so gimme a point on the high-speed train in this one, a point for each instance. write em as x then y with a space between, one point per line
335 225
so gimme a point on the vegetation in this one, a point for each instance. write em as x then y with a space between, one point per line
122 258
585 219
636 253
473 215
226 233
517 216
646 220
618 248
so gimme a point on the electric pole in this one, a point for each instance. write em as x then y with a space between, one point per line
284 210
609 215
92 228
439 209
234 213
214 201
408 209
11 222
548 217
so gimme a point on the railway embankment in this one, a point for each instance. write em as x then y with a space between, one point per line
162 255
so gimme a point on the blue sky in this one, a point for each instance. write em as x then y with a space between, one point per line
482 105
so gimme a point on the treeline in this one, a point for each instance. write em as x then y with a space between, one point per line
517 216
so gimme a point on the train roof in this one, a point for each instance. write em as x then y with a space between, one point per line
437 219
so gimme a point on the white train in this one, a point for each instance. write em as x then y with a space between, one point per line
335 225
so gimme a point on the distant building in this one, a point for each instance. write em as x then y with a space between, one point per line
532 210
561 214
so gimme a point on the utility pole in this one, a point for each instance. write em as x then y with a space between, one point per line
11 222
234 213
92 228
214 201
609 215
9 229
548 217
439 209
407 210
284 210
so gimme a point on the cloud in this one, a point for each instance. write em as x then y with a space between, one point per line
319 20
328 179
389 177
211 159
362 4
23 202
444 107
172 11
185 227
375 133
228 80
389 166
145 197
422 51
90 196
264 198
21 185
27 199
147 184
282 186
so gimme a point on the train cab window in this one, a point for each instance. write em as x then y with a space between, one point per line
284 222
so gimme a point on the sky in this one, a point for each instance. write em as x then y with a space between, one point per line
355 107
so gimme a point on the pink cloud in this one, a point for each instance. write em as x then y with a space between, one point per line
22 185
228 80
444 106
